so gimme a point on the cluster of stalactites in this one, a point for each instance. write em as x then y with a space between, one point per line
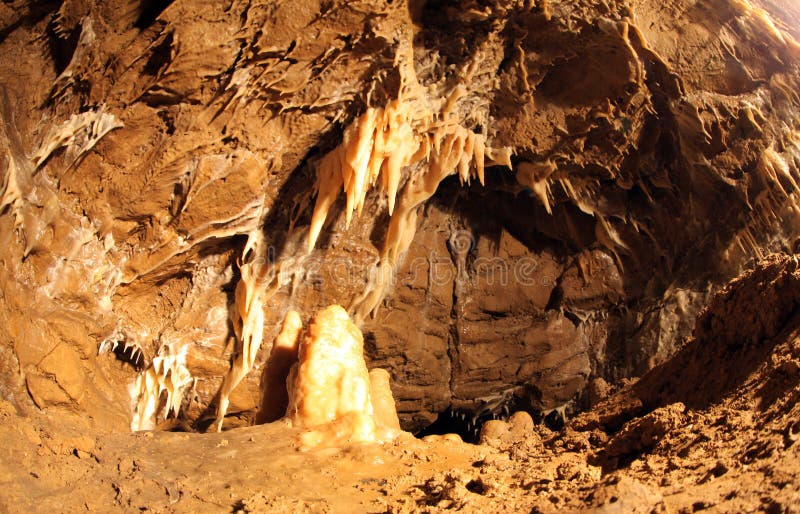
778 181
168 371
166 374
381 143
247 317
378 144
540 178
376 150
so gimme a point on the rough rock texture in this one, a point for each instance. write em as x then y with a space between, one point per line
655 153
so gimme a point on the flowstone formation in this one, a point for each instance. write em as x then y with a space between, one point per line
317 380
330 392
516 201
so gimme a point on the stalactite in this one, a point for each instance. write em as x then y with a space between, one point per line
536 176
10 191
80 133
166 374
252 291
16 179
777 177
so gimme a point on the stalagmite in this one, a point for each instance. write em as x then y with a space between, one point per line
383 406
329 388
331 396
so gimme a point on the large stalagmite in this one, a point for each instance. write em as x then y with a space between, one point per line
318 379
329 390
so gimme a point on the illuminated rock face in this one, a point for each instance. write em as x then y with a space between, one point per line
274 396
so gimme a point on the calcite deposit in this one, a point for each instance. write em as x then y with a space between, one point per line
330 391
317 380
274 391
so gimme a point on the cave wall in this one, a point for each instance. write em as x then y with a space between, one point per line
655 153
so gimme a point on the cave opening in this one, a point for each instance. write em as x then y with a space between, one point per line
468 425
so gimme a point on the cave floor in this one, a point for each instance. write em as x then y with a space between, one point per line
712 460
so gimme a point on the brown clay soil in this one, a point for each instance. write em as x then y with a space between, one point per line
713 428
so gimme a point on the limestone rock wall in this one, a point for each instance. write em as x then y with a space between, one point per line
654 151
